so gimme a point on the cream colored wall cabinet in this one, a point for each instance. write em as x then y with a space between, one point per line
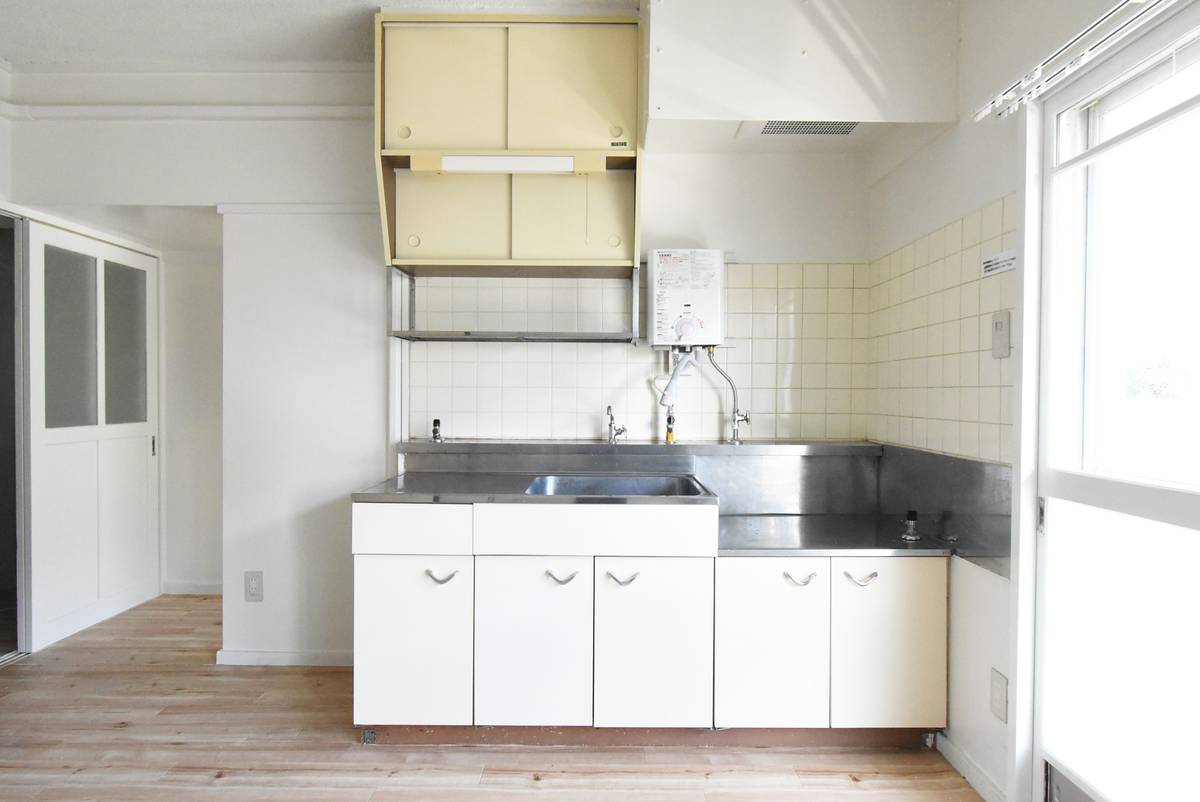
489 86
889 637
772 642
654 637
533 641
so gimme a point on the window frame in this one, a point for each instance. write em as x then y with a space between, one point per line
1062 379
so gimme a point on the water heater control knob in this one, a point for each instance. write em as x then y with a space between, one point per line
685 328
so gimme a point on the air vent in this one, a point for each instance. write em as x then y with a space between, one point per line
808 128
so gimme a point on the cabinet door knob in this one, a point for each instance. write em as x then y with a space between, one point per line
636 574
866 580
429 573
550 574
801 582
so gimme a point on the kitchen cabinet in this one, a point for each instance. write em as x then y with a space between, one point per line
445 86
449 216
413 639
772 642
888 645
533 641
653 642
573 86
573 216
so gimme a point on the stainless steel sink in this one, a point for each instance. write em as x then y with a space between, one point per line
614 485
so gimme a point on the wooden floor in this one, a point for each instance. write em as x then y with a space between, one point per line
135 709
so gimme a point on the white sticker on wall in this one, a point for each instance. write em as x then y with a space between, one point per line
998 262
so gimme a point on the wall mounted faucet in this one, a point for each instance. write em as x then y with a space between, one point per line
614 431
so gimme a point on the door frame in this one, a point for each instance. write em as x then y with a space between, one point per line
23 216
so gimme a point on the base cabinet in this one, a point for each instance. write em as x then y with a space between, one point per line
412 639
533 641
772 642
653 642
889 639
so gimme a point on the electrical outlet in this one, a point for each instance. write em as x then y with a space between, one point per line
999 696
254 586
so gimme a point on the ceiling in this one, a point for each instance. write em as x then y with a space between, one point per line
181 35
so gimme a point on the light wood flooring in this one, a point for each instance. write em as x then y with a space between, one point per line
135 709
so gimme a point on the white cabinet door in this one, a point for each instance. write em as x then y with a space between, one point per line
533 641
412 639
888 660
772 642
654 639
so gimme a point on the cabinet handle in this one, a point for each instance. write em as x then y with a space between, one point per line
636 574
802 582
866 580
429 573
550 574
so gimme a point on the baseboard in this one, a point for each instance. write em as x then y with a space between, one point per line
645 736
235 657
46 633
191 588
968 768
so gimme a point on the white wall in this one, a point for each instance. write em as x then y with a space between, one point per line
5 158
817 60
191 421
972 163
977 739
782 207
304 402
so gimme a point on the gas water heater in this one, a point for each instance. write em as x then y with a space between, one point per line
687 298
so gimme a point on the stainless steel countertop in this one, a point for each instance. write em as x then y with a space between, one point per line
466 487
822 536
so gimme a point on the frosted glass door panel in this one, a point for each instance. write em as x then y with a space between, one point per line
124 344
70 357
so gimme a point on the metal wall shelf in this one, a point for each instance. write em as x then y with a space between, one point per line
402 307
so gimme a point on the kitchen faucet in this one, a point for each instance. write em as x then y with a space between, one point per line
739 417
614 431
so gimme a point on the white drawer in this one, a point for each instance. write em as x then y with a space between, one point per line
652 530
389 528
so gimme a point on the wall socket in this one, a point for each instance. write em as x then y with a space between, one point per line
999 696
254 586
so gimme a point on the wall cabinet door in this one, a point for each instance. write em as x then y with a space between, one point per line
573 86
533 641
444 87
453 216
888 660
772 642
573 216
412 639
654 638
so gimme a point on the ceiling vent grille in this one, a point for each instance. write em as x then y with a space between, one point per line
807 128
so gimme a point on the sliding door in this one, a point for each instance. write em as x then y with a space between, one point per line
1118 607
93 355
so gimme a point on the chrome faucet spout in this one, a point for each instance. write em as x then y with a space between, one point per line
739 417
614 431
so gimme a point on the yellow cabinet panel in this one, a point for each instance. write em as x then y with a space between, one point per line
573 86
573 216
444 87
453 216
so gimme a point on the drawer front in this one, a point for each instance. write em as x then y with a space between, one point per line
586 529
389 528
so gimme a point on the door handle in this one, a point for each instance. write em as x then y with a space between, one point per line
611 576
800 582
550 574
429 573
866 580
